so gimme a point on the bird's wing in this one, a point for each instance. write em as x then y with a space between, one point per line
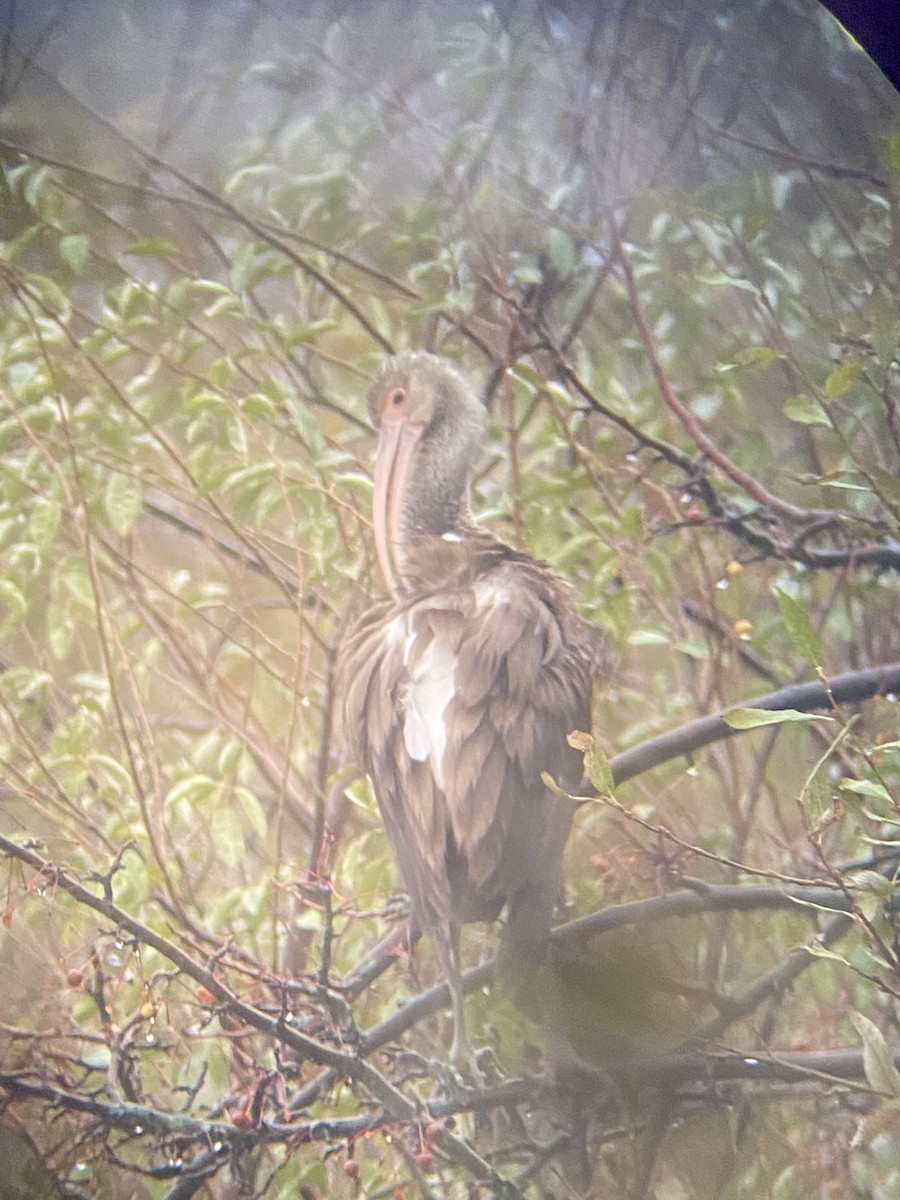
521 684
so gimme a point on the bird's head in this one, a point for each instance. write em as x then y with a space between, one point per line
431 425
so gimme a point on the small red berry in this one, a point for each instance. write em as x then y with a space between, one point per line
205 996
7 916
351 1168
425 1159
74 977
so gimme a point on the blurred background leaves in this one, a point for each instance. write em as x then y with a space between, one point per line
215 219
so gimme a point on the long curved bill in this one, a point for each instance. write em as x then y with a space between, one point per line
396 441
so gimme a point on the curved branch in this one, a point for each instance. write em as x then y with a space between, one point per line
686 903
848 688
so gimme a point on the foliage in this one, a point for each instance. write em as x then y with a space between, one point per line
666 241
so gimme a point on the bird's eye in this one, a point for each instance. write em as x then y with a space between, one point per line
396 398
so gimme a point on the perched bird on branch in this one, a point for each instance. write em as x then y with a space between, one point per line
459 689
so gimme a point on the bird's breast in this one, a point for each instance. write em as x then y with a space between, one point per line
425 693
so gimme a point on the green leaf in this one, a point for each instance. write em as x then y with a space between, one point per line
22 683
193 789
800 629
561 250
223 306
878 1061
43 524
132 882
249 174
46 294
596 764
60 630
550 783
73 250
752 718
103 764
309 332
253 810
842 378
227 835
806 410
817 950
122 500
254 476
13 606
884 326
866 787
876 884
649 637
599 771
711 278
816 799
35 183
757 355
13 250
154 247
784 1187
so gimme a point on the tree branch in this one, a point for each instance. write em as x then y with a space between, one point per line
849 688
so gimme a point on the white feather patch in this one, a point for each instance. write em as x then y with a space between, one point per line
490 594
430 689
396 631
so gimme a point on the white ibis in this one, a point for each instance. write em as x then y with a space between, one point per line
459 690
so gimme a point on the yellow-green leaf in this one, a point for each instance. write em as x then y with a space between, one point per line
806 410
800 629
73 250
122 501
194 789
878 1061
13 606
44 522
596 764
756 355
752 718
153 247
561 250
866 787
842 378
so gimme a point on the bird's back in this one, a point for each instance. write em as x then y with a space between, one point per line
458 695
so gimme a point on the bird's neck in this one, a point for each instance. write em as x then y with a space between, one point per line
434 533
432 515
437 493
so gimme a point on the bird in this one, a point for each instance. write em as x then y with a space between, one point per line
461 686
